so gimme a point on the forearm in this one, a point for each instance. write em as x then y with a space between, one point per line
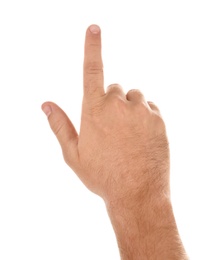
147 232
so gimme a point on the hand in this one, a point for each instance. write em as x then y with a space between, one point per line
121 152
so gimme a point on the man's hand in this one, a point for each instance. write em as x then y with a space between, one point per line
121 152
122 149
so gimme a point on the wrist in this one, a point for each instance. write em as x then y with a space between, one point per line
146 230
150 213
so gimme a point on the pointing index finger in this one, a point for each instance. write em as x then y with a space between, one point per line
93 65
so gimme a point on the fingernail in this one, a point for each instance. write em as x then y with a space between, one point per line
47 110
94 29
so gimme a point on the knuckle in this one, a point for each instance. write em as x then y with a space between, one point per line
57 127
67 155
113 87
67 158
134 90
153 106
93 67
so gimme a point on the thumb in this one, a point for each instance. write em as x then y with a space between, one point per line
63 130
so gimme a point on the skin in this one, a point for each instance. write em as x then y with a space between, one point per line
122 155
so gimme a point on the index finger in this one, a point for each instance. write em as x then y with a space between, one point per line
93 65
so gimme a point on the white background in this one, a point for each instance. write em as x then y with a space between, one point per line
171 51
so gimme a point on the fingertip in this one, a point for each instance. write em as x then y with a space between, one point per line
94 29
46 108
